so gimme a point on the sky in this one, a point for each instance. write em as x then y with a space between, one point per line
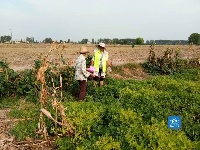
94 19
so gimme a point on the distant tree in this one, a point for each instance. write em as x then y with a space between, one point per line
106 41
194 38
122 42
2 39
127 41
183 42
48 40
5 38
84 41
151 41
8 38
68 41
167 42
198 42
92 41
115 41
30 39
61 41
139 41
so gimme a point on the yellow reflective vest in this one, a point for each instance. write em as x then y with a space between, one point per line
97 56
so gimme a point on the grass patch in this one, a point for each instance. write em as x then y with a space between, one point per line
25 109
28 114
24 130
7 102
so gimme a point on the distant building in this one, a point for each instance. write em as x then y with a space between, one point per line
17 42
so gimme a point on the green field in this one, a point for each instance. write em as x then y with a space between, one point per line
123 114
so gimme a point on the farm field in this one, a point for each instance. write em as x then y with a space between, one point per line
129 112
22 56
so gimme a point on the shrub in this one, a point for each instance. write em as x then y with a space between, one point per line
7 79
169 63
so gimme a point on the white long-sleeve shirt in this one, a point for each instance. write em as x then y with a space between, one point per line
81 73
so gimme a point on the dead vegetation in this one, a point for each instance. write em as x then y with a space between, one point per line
56 104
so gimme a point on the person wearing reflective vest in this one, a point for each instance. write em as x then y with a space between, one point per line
100 62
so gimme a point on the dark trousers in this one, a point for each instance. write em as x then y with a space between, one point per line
100 77
82 90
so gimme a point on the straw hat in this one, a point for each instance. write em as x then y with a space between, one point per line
83 50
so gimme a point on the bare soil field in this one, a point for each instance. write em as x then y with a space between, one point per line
21 56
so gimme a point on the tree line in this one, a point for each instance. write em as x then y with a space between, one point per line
194 38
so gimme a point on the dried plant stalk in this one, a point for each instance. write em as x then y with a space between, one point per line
61 94
44 93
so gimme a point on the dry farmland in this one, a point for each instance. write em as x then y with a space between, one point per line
22 56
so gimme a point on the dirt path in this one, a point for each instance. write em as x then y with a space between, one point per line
6 139
8 142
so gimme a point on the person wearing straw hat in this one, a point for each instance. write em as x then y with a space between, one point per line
99 61
81 73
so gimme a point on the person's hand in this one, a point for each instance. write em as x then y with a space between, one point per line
88 69
109 69
110 64
92 75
